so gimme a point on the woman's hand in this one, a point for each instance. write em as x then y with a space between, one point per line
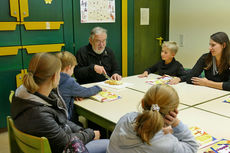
199 81
97 135
145 74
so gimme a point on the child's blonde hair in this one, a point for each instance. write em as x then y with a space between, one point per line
171 45
67 59
42 67
151 121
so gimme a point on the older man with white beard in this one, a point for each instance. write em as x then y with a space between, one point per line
95 59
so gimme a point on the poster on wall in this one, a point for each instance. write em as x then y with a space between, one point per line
97 11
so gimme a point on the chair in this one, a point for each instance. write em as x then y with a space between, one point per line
24 143
11 96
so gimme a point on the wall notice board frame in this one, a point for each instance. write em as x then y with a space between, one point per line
97 11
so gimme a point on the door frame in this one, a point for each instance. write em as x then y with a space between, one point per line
130 31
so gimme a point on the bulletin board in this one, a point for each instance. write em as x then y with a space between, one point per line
97 11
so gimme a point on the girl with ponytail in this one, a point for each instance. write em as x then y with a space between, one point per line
147 132
38 109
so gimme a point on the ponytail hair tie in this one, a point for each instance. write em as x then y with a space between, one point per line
155 107
30 73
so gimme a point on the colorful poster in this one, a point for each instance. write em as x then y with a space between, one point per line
104 96
227 100
161 80
97 11
202 137
222 146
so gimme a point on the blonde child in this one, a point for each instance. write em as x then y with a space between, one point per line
168 65
143 132
68 87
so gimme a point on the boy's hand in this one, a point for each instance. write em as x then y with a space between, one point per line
174 80
103 89
145 74
78 99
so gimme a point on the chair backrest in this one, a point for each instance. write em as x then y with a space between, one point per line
11 96
22 142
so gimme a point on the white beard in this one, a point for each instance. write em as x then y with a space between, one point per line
98 51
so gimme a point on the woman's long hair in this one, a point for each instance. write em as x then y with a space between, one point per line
220 38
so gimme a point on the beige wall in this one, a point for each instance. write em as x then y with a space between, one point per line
191 24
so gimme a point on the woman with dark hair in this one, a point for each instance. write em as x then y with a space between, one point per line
215 64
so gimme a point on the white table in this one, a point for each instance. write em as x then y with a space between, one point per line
189 94
213 124
196 101
113 110
107 114
217 106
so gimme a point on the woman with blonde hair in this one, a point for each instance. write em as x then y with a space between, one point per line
144 132
38 109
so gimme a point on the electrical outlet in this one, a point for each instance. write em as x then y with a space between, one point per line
181 40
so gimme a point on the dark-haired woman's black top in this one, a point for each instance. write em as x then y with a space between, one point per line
199 67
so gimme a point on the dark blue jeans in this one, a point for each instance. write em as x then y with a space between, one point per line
97 146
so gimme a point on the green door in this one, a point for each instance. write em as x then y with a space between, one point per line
26 27
146 46
82 30
42 24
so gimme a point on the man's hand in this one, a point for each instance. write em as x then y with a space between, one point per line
99 69
116 77
145 74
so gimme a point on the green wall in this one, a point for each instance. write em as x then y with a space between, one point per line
130 37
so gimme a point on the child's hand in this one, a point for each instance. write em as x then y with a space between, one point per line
171 118
167 130
78 99
174 80
145 74
103 89
97 135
